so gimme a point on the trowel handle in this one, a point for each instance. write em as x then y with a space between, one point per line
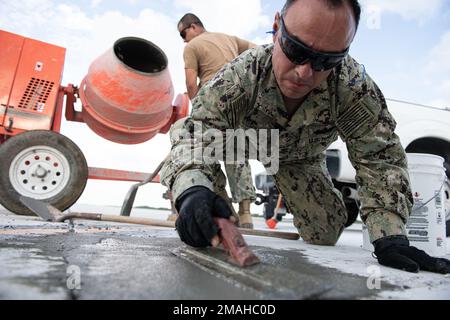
80 215
224 225
143 221
234 243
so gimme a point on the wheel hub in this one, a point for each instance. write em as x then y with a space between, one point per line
40 172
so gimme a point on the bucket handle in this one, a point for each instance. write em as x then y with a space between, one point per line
437 193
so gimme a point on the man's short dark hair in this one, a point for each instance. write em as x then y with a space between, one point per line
188 19
356 7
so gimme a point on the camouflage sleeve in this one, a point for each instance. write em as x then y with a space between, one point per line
367 127
218 106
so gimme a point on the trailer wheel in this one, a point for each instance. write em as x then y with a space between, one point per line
44 165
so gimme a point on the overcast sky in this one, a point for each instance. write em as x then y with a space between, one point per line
404 45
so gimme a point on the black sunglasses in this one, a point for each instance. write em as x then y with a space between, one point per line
183 32
299 53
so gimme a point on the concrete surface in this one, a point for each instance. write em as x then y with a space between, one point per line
97 260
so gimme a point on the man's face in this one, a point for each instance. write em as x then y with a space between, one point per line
190 31
319 27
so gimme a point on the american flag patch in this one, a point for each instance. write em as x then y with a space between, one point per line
353 119
237 108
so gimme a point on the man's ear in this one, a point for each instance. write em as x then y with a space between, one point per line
276 26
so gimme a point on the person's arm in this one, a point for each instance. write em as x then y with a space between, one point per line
375 151
193 168
191 71
381 174
191 82
244 45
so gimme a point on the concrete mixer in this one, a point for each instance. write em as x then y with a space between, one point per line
126 97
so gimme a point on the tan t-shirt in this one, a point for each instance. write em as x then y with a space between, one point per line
210 51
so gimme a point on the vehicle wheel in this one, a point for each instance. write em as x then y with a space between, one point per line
269 207
352 212
43 165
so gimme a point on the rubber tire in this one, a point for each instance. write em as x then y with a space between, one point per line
352 212
9 197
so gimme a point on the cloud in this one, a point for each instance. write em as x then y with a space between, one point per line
418 10
236 17
445 88
439 60
438 69
86 36
428 81
95 3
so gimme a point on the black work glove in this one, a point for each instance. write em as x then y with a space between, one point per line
395 252
196 208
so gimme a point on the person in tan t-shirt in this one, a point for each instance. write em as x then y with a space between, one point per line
206 52
204 55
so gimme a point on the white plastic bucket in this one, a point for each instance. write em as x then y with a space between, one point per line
426 224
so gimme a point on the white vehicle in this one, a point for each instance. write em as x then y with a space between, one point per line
422 129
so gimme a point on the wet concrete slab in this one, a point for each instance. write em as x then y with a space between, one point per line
97 260
282 274
141 265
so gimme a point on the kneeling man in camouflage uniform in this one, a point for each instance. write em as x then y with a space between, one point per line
306 86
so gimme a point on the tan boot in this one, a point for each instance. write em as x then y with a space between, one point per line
245 217
172 217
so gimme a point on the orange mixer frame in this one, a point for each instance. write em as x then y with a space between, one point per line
122 101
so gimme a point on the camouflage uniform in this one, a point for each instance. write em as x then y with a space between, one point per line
348 104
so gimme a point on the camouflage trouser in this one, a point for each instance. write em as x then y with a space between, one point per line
241 182
318 209
219 184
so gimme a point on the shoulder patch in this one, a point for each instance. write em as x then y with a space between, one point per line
356 120
236 108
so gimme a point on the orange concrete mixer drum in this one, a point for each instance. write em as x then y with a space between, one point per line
128 92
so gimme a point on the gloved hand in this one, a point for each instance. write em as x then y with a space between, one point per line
196 208
395 252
